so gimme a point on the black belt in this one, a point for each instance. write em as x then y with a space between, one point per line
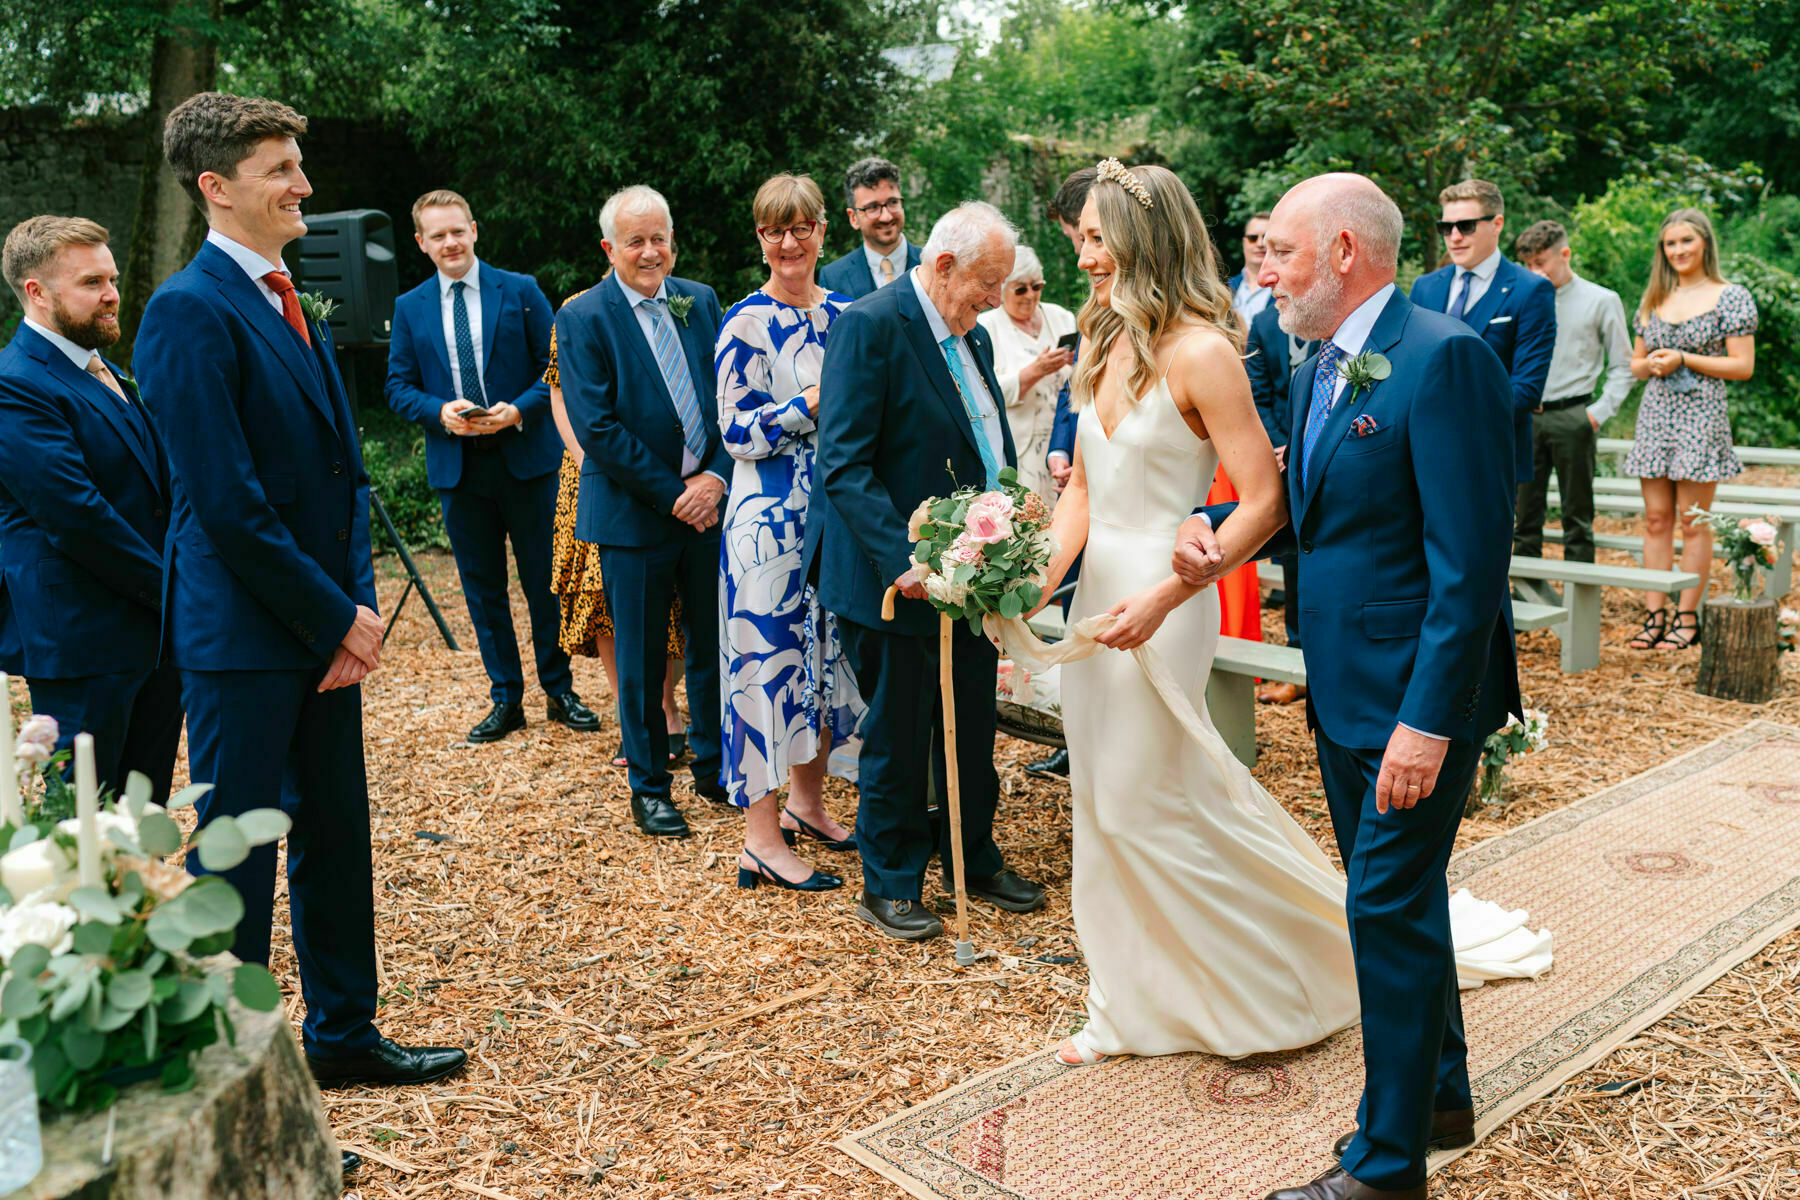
1567 402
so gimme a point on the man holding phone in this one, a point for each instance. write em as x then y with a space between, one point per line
466 362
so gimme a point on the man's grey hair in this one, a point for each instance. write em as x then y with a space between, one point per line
963 233
1372 216
635 200
866 173
1025 265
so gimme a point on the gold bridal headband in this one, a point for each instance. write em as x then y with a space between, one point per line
1113 169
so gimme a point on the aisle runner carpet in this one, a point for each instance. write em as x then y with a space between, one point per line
1653 888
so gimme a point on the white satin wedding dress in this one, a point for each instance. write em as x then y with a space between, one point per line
1210 920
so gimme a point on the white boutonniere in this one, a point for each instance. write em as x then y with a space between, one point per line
680 307
315 307
1364 371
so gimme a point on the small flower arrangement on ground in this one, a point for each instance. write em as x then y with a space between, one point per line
1520 735
1787 630
984 551
1747 544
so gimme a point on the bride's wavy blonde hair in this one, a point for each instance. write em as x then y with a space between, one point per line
1165 271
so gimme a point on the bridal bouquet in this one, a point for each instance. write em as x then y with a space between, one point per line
983 551
1748 545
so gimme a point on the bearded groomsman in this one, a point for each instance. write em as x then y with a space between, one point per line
872 202
84 506
271 588
466 362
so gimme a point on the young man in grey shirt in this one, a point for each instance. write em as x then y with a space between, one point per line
1592 340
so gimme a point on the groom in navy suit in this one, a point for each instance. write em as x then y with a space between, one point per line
1399 494
911 411
636 357
269 589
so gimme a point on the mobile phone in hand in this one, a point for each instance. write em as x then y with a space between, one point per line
1068 341
475 411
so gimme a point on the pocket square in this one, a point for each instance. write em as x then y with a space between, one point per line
1499 320
1363 426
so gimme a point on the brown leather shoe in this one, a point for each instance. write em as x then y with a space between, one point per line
1281 693
1451 1129
1336 1185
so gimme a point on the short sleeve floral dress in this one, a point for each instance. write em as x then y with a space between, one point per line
1683 429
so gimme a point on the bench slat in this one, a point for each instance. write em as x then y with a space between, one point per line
1736 493
1263 660
1601 575
1762 456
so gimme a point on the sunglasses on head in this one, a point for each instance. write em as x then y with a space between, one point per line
1466 227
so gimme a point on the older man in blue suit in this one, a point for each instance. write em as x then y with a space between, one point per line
1512 309
873 204
84 507
269 592
636 358
909 390
466 363
1399 490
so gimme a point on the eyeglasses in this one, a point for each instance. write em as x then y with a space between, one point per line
773 234
1019 289
1253 239
875 208
1465 227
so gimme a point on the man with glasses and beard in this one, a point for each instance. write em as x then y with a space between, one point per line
1513 310
872 197
84 505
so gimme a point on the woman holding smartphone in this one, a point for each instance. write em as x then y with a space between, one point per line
1033 347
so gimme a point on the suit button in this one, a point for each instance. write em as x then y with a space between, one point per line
343 535
157 513
337 468
1306 546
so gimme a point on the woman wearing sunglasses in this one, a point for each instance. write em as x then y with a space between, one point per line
789 694
1032 364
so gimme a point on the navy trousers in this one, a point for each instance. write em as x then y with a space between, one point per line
1414 1058
480 514
1290 606
135 717
641 585
270 739
903 738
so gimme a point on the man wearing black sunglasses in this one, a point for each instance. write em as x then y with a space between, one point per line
1513 310
873 204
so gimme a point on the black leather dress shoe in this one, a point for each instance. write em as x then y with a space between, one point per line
349 1163
1057 764
506 717
907 920
1005 890
1450 1130
388 1064
567 709
658 816
1336 1185
714 791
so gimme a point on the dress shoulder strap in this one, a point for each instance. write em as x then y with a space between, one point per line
1184 337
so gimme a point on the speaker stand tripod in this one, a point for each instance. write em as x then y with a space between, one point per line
413 578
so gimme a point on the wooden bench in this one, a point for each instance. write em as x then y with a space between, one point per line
1581 597
1736 493
1777 580
1756 456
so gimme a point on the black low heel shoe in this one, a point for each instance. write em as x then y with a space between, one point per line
818 881
792 836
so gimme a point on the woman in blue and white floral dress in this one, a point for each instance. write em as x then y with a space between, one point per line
789 692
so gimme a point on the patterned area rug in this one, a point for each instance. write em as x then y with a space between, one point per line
1653 888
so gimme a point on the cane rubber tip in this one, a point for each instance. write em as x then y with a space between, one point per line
965 954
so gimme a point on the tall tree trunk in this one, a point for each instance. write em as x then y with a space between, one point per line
168 227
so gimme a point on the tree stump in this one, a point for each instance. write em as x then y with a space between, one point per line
1739 659
252 1128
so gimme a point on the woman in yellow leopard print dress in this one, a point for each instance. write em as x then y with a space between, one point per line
587 628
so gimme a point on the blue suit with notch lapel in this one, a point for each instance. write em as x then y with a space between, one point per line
850 275
267 561
495 487
1517 317
883 447
84 509
631 476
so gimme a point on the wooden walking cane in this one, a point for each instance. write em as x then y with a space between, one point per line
965 949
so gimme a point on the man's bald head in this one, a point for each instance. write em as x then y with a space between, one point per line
1342 203
1333 241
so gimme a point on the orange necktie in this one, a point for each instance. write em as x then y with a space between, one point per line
283 287
887 271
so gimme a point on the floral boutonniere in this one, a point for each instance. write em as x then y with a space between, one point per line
315 307
680 307
1364 371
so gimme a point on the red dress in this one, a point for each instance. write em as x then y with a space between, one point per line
1240 603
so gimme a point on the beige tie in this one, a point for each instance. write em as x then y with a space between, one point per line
887 272
98 370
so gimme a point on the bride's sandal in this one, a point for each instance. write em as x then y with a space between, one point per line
1685 632
1656 627
1085 1056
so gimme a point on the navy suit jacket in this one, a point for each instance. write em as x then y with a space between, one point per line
1517 317
84 507
625 419
515 344
850 275
268 552
892 432
1063 426
1271 373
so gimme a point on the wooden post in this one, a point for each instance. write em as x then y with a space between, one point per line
1739 659
947 686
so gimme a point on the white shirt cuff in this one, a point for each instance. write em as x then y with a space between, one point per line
1059 454
1436 737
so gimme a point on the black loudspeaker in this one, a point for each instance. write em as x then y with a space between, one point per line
349 257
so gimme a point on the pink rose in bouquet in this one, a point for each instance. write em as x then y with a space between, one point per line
983 552
1761 532
964 551
989 519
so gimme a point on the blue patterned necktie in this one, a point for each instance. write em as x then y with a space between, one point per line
672 361
466 369
1324 390
953 360
1460 304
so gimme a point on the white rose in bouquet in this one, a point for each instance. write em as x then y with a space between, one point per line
944 590
34 867
48 925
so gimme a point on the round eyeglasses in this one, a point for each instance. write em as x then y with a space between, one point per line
773 234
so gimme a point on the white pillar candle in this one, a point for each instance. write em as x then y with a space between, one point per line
87 811
12 809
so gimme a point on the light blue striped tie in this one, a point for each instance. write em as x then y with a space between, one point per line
1324 391
953 360
672 361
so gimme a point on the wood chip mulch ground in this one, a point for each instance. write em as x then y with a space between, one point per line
637 1026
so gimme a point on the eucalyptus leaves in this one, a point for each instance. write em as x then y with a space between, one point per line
680 307
1363 372
316 307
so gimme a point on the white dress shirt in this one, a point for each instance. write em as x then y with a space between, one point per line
979 394
254 264
471 301
647 324
79 355
1249 299
896 259
1481 276
1592 339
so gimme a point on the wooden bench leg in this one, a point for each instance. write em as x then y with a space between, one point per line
1581 632
1231 702
1536 591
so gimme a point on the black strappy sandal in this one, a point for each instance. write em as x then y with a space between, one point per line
792 836
1686 622
1656 627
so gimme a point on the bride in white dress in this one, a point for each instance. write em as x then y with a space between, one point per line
1210 920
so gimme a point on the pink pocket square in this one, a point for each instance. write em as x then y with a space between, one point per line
1363 426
